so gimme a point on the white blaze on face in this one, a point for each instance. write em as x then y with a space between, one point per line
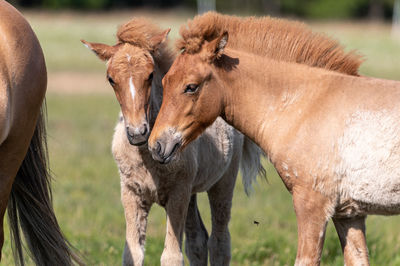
132 88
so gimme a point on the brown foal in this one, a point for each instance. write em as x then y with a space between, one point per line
333 138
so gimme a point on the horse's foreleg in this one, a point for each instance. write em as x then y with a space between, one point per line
176 207
196 235
351 233
220 196
136 213
313 211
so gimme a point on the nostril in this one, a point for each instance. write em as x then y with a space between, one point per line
158 149
143 130
129 132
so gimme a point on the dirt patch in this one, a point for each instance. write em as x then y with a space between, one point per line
78 83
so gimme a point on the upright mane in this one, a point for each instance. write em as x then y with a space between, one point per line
276 38
139 32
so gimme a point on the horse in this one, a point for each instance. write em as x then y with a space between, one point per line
24 175
269 38
332 137
135 68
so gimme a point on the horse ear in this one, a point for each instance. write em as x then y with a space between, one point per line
156 40
216 47
103 51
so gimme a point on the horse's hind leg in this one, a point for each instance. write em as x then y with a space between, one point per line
5 189
136 213
351 233
11 157
313 210
5 179
196 235
220 197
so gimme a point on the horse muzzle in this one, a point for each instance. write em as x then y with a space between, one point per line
165 148
138 135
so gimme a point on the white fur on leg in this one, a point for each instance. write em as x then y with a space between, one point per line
171 259
133 256
303 262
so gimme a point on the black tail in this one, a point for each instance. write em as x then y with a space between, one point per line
30 208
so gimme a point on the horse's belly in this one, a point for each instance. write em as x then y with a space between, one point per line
370 158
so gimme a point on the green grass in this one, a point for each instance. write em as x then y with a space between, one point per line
86 187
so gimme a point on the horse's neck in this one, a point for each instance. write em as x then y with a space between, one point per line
162 63
263 97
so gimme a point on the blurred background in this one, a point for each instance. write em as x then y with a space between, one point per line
82 112
375 9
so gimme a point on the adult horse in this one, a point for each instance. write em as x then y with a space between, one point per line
333 138
135 67
24 175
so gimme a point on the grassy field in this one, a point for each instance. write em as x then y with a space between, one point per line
82 112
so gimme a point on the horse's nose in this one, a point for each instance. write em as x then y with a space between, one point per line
143 129
158 152
165 149
130 131
160 149
137 135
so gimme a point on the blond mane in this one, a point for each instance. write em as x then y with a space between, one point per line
276 38
139 32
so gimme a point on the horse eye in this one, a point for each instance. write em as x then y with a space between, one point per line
191 88
112 82
150 77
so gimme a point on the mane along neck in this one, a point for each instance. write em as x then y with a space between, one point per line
276 38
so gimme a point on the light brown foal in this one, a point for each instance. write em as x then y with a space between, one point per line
333 138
